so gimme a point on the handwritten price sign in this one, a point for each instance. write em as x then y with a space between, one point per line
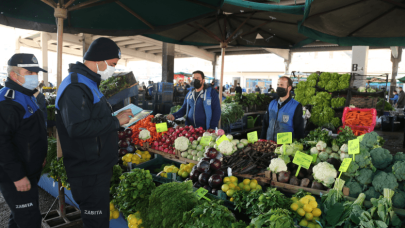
302 160
205 140
223 137
354 147
284 138
201 193
162 127
252 137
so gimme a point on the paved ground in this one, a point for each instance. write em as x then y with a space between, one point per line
393 140
45 202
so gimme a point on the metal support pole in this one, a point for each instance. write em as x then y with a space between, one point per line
395 59
223 46
44 49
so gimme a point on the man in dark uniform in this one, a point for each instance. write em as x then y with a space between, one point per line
23 142
88 132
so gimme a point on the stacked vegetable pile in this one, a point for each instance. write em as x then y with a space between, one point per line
144 124
137 158
322 114
307 208
231 185
124 143
333 81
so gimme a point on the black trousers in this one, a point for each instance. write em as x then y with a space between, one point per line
23 205
92 193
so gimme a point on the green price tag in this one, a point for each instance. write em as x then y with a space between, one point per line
201 193
302 160
345 164
314 157
354 147
252 137
205 140
161 127
284 138
223 137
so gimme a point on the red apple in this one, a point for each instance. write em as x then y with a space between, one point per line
128 132
121 135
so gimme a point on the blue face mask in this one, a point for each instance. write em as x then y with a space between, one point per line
31 81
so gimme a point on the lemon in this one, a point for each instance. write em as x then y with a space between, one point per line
169 170
314 219
246 188
139 221
253 181
237 188
294 207
225 187
307 208
111 214
112 207
316 212
187 169
301 211
233 179
318 226
185 174
231 186
232 199
294 199
133 221
300 205
313 204
304 200
246 181
311 225
309 216
241 185
227 179
180 172
116 214
303 223
230 192
311 198
182 166
130 217
258 187
253 185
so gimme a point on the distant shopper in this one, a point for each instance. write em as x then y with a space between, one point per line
395 98
150 88
238 89
227 86
257 89
401 98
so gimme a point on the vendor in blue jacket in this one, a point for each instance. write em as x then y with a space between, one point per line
201 106
284 114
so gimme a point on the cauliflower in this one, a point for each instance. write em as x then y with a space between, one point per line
355 188
343 156
328 150
206 134
384 180
285 158
277 165
365 176
334 155
277 150
144 135
335 148
372 193
321 146
324 173
289 150
314 150
344 148
400 156
323 156
181 143
235 142
244 141
381 158
398 200
399 170
225 147
230 137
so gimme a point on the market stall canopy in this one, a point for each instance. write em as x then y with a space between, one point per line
242 23
355 22
106 17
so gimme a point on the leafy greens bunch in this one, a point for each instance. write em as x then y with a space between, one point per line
115 179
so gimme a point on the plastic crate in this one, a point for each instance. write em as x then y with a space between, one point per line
156 163
163 87
163 97
371 110
141 96
148 105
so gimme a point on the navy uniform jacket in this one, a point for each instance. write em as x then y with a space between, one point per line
23 136
87 131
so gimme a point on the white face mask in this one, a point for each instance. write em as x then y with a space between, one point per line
108 72
31 81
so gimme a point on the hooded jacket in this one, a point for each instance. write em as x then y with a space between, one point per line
87 131
23 136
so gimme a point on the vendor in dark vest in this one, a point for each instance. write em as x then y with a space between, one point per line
201 105
284 114
88 132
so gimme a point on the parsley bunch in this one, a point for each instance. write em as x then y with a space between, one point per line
115 179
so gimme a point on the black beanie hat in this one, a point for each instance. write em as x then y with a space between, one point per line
102 49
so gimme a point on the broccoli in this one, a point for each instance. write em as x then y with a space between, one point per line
363 159
389 168
365 176
372 193
383 180
400 156
398 200
381 158
355 188
369 140
401 186
352 170
399 170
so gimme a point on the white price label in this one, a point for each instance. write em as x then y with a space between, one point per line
229 171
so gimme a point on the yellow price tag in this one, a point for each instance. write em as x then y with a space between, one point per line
354 147
205 140
223 137
161 127
360 138
345 164
284 138
302 160
252 137
201 193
